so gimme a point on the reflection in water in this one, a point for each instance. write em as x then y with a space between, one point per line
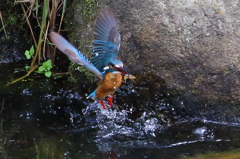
46 118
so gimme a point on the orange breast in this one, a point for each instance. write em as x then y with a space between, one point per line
109 85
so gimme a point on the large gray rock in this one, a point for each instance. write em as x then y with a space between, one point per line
191 44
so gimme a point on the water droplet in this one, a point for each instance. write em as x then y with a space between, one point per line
188 39
200 131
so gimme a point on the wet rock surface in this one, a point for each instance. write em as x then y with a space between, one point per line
14 33
192 45
12 49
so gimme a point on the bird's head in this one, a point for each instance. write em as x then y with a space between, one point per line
116 65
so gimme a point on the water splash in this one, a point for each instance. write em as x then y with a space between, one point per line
115 126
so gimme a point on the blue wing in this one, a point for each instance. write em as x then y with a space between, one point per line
106 39
73 54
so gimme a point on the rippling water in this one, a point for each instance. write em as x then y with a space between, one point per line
49 118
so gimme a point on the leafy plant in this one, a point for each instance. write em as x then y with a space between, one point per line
29 53
45 13
45 68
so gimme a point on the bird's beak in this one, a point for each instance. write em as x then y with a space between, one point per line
126 75
121 69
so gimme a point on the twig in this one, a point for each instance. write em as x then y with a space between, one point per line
62 73
3 25
2 105
29 24
29 72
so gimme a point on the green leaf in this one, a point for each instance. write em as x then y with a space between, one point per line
36 3
42 69
48 63
27 54
40 72
48 74
31 51
27 67
50 66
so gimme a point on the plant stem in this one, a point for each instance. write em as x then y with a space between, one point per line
29 72
3 25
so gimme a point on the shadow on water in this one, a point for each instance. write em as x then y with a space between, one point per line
48 118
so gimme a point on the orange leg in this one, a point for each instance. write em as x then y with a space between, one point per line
110 100
102 103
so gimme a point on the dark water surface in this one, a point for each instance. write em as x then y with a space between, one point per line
49 118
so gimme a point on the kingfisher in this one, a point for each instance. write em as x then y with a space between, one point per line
105 64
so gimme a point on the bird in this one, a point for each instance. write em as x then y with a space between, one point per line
104 63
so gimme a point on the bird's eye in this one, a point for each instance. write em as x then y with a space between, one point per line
111 64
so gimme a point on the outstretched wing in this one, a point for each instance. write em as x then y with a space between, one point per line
73 54
106 39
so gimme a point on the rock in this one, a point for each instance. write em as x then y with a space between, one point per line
14 35
192 45
12 49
